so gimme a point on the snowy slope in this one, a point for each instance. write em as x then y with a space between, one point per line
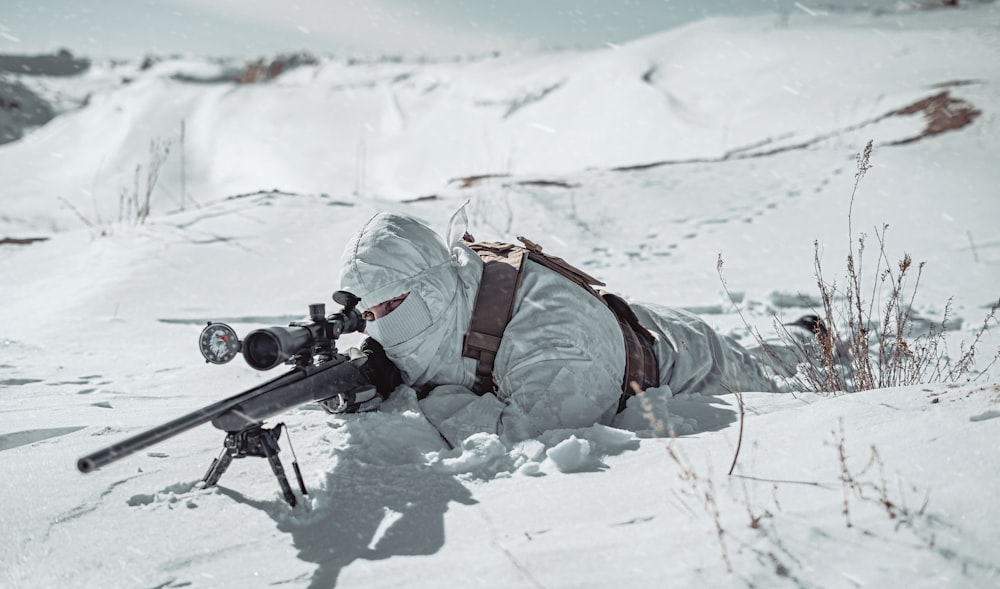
642 163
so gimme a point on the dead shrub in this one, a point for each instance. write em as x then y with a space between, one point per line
868 335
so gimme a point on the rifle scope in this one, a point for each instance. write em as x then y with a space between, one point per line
266 348
263 349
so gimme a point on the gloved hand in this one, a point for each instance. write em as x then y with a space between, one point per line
378 369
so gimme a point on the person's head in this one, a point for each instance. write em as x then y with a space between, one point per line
404 275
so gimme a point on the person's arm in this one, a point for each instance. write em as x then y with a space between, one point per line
561 386
457 412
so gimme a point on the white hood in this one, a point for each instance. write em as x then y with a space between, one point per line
395 254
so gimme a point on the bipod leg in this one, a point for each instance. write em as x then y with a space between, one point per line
295 461
255 440
218 467
269 443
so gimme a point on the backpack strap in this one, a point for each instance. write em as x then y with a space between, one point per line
503 268
561 266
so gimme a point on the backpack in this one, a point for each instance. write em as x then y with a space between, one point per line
503 267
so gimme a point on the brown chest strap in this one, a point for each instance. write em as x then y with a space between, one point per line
503 267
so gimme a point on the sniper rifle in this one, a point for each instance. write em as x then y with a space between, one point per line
319 373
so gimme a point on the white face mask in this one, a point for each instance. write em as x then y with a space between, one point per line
405 322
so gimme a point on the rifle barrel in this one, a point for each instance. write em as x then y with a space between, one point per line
155 435
293 388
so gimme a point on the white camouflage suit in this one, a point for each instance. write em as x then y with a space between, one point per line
561 361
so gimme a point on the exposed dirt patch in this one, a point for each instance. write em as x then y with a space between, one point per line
21 240
548 183
424 198
263 70
467 181
942 113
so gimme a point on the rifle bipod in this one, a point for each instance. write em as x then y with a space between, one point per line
256 440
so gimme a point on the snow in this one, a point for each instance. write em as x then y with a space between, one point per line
755 128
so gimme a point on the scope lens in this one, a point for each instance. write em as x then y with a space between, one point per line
262 350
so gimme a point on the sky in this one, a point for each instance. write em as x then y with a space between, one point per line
433 28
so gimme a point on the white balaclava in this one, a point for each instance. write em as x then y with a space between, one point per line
391 255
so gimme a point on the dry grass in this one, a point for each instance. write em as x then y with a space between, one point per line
703 490
855 485
868 337
135 204
870 320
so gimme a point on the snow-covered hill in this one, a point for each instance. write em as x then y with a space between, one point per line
642 163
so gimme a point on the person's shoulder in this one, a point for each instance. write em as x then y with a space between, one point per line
553 306
546 287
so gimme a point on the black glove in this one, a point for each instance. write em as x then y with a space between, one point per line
378 369
375 367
